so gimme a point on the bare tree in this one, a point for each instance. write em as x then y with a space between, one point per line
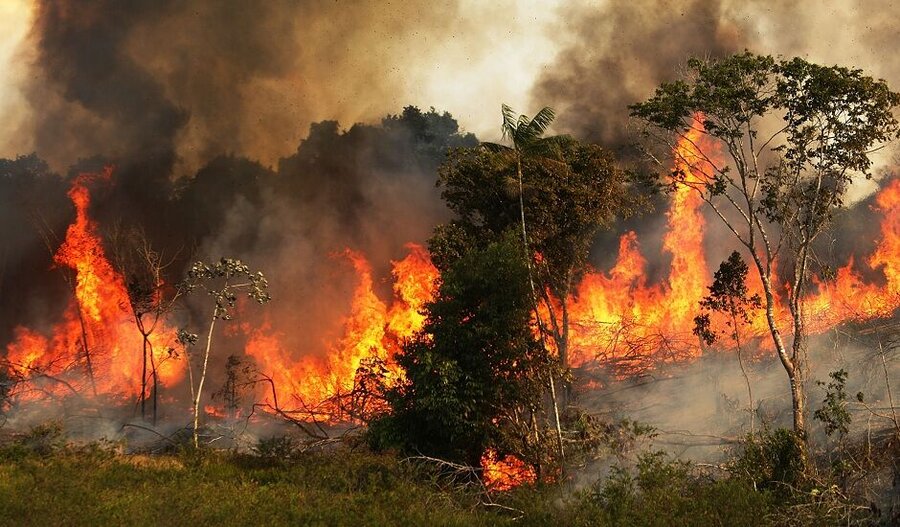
222 281
150 301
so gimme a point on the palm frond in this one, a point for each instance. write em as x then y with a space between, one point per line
495 147
522 130
541 121
508 127
548 147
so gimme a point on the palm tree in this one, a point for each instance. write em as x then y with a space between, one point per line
527 138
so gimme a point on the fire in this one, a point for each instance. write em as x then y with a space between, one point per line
96 334
618 319
618 316
848 296
504 474
96 347
372 330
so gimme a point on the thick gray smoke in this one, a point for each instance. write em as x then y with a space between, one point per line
185 82
615 54
619 53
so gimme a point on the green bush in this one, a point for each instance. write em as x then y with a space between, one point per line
661 491
773 461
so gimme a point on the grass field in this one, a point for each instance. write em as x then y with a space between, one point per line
97 485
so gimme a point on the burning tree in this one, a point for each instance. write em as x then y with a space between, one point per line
221 280
150 301
795 135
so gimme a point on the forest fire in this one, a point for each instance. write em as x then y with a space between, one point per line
616 317
96 335
620 319
372 331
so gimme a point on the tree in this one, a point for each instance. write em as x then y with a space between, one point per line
794 136
729 295
221 280
567 199
475 374
149 299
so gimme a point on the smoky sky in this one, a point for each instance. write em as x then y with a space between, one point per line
614 54
619 53
184 82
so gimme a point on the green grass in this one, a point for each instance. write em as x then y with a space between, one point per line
94 486
78 488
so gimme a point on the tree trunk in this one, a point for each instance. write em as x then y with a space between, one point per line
534 297
798 400
143 371
86 348
797 394
155 387
737 341
199 392
559 443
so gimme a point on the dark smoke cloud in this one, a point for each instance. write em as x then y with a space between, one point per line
92 97
620 53
179 81
615 55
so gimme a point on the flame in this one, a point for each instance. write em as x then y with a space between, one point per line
98 319
618 317
372 330
849 296
504 474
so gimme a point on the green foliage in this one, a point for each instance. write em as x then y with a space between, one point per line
773 461
219 281
728 295
525 133
833 413
94 485
475 363
73 488
567 199
590 437
832 120
775 185
664 491
41 440
276 447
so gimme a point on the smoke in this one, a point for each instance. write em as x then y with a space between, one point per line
95 98
701 410
616 54
184 83
619 53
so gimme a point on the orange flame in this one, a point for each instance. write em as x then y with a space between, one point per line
372 330
617 317
504 474
97 321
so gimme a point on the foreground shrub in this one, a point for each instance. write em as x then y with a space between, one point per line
773 461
